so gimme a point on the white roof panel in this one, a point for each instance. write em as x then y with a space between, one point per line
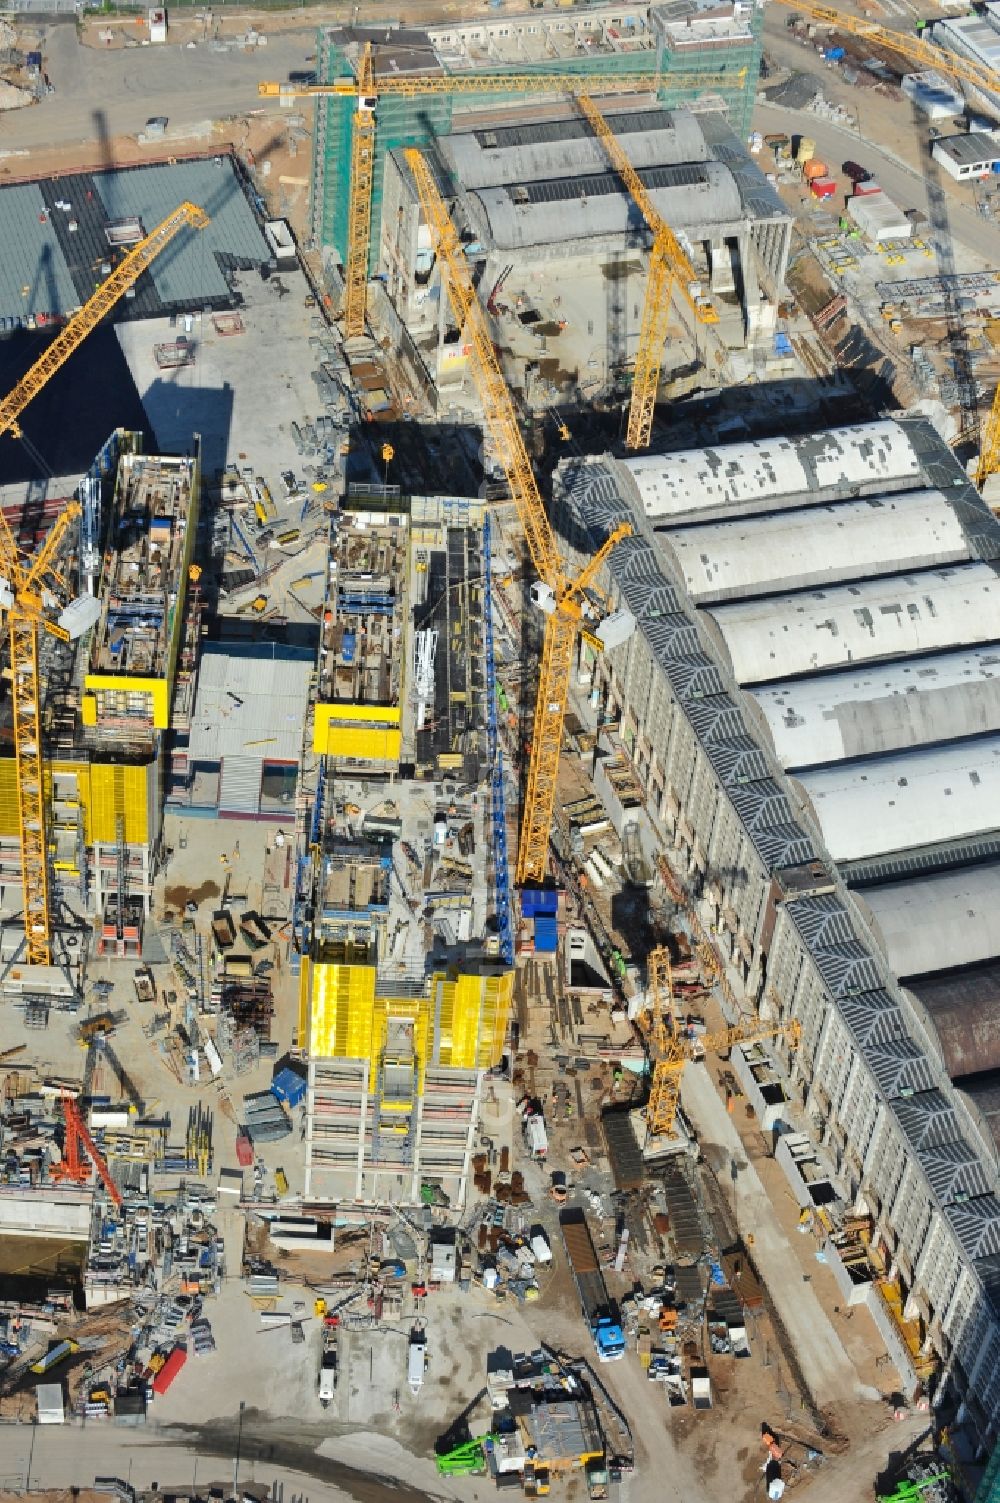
883 707
884 805
768 470
810 630
935 923
840 540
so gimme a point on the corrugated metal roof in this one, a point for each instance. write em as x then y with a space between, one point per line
762 473
545 149
880 805
188 268
250 704
883 707
59 263
937 922
964 1009
521 215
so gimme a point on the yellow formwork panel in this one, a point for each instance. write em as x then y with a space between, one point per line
366 743
364 714
498 997
342 1013
9 823
347 1020
116 790
157 691
465 1024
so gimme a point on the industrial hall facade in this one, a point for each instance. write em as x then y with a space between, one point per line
810 703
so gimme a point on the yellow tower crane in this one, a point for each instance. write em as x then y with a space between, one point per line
989 447
669 268
565 601
366 90
912 48
30 588
672 1051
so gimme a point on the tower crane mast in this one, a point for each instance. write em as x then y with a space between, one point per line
30 588
563 599
669 268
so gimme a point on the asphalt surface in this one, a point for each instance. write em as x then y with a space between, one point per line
54 1456
114 93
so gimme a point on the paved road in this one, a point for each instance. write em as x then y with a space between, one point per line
67 1456
904 185
127 87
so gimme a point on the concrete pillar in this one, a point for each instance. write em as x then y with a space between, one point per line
721 263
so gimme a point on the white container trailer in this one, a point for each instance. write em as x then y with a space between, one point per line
877 217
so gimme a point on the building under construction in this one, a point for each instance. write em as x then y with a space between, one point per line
109 695
809 705
680 37
403 914
531 191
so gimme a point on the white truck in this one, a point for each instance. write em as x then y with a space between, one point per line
328 1367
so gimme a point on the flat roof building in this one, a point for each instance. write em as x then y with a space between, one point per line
970 155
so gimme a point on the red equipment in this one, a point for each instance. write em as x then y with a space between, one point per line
73 1165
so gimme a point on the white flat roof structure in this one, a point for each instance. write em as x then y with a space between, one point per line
899 803
766 471
939 922
883 707
785 635
841 540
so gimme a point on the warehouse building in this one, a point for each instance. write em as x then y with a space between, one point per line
61 232
824 764
539 206
681 37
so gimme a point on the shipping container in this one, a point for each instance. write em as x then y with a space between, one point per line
822 187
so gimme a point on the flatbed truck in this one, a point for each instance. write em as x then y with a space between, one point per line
599 1312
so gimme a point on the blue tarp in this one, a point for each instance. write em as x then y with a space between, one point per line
289 1086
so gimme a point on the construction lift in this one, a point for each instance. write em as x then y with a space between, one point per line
669 268
366 89
672 1049
565 602
74 1165
31 588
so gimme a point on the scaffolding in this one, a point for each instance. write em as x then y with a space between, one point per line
498 808
420 120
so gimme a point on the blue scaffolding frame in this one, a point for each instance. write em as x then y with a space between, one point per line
498 807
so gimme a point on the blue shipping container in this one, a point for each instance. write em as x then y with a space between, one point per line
546 935
539 900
